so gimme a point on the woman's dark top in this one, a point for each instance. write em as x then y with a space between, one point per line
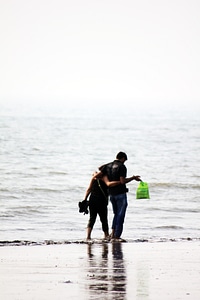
99 190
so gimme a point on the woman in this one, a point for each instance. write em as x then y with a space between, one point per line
98 202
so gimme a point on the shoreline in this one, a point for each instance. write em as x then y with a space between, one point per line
6 243
153 271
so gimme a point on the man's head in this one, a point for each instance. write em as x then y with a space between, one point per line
122 156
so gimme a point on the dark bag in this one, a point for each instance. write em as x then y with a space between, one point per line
83 206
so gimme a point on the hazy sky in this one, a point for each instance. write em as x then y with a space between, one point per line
100 50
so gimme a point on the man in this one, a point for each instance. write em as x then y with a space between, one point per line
117 171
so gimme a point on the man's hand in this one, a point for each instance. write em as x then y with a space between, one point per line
137 178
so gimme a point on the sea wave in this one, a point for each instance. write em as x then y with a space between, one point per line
175 209
23 211
175 185
169 227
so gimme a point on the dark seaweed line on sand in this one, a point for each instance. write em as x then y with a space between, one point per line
94 241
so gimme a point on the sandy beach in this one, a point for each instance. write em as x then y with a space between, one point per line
168 270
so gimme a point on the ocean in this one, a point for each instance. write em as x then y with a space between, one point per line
49 152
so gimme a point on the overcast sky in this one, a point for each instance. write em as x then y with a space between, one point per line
100 50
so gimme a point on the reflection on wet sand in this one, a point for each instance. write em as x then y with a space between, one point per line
142 280
106 274
119 275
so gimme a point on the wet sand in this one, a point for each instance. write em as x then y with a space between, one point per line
141 271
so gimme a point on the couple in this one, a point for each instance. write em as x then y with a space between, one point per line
110 180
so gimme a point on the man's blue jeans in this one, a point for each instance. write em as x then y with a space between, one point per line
119 204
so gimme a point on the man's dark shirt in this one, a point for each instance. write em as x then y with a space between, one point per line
114 171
